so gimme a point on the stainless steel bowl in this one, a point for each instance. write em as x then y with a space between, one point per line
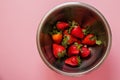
83 14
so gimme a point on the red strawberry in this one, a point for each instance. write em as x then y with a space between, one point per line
68 39
77 32
57 38
73 61
85 52
78 41
62 25
65 32
71 39
74 49
89 39
58 50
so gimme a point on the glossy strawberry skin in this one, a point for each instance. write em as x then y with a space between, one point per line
68 39
62 25
71 39
73 61
74 49
77 32
57 38
59 51
89 40
65 32
85 52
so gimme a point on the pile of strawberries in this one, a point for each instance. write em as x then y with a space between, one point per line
72 41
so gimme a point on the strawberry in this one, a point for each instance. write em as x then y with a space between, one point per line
68 39
65 32
57 38
78 41
77 32
90 39
59 51
85 52
74 49
62 25
73 61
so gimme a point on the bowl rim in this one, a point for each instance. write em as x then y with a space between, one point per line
77 4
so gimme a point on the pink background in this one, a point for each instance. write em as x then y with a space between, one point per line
19 58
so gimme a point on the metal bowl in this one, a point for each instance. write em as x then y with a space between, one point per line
83 14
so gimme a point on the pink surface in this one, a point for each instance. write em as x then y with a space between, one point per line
19 58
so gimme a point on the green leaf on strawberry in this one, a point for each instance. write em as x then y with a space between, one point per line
65 41
98 42
84 31
79 60
78 45
61 54
72 24
68 39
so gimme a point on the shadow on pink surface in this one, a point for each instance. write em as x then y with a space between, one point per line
104 72
1 78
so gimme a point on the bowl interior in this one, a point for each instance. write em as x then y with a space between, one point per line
85 17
